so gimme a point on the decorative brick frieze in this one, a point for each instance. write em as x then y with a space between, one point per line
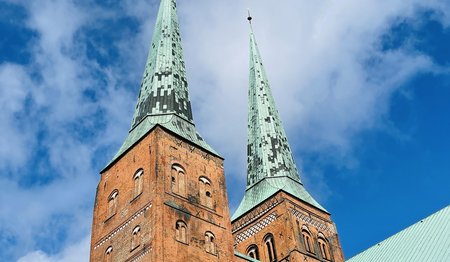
122 226
142 253
255 228
256 213
312 221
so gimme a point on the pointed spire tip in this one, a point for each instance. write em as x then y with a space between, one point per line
249 17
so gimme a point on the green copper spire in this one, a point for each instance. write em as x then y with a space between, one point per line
268 152
163 97
164 88
270 165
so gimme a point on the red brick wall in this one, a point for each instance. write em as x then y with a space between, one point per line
158 209
285 222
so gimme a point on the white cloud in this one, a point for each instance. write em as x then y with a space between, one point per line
15 136
46 115
316 55
74 253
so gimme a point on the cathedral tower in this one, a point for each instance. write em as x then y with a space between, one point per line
163 195
277 220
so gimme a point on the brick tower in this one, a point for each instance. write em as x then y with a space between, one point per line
277 220
163 195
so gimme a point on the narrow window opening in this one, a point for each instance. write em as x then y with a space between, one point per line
138 181
253 252
307 240
135 239
210 245
181 183
270 246
174 184
178 180
181 232
108 255
269 249
209 202
324 248
112 203
206 197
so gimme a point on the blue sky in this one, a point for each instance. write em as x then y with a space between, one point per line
362 87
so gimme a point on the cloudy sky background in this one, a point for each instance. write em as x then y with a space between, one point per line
362 87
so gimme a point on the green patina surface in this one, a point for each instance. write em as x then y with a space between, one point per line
164 87
163 97
270 165
247 258
426 241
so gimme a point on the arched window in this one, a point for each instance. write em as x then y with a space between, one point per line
178 180
108 255
206 197
324 248
252 251
138 181
112 203
307 239
210 243
270 247
209 202
135 238
181 231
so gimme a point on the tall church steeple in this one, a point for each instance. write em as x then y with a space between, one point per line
163 196
164 88
163 96
269 154
270 165
277 220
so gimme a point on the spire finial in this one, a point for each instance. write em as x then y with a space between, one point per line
249 17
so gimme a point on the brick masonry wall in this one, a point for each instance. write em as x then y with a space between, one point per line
285 220
157 209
